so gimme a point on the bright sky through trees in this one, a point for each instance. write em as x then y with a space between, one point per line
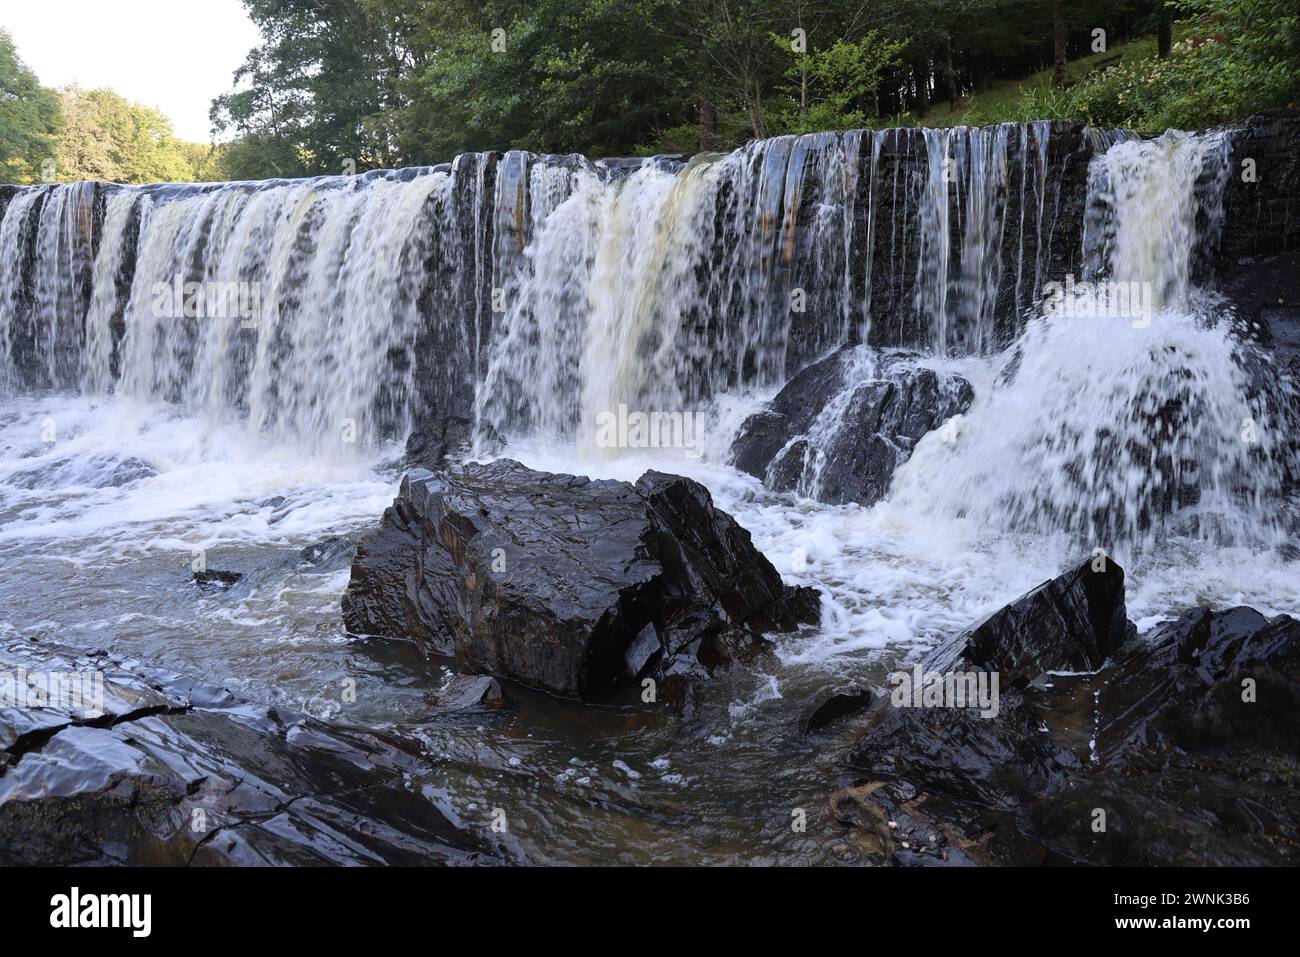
173 56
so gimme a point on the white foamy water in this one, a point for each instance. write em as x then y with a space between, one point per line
108 479
605 287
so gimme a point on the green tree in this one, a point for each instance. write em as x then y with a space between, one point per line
104 136
321 91
29 118
828 87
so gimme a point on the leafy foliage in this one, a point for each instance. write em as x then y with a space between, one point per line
88 134
824 87
29 118
342 85
106 137
1239 56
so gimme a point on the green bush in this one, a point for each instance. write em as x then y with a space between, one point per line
1241 56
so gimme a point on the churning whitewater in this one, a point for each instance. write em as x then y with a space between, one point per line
231 370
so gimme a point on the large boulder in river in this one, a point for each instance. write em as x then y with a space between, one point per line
1180 749
567 584
837 431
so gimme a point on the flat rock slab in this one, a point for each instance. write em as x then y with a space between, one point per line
163 770
567 584
466 692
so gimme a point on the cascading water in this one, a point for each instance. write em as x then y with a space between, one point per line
57 222
529 295
1124 419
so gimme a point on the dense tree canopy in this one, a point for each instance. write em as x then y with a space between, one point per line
106 137
75 134
29 118
345 85
391 82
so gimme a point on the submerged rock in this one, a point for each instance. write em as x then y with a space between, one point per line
567 584
464 692
215 580
840 428
166 771
1152 760
329 554
831 705
94 471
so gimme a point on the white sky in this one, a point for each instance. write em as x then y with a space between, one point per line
173 55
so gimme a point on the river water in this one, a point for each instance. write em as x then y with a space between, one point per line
1057 456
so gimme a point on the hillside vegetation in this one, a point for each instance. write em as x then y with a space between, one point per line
347 85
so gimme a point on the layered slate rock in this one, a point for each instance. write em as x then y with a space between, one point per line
433 440
566 584
1071 623
838 430
165 770
1182 749
468 692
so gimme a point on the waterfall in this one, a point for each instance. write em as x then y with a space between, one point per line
47 237
530 295
13 237
1145 199
1124 419
293 304
260 342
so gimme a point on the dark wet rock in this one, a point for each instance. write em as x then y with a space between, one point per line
215 580
1256 266
1039 229
431 443
831 705
1185 742
329 554
176 772
464 692
840 428
1181 686
1260 216
566 584
999 762
642 649
1073 622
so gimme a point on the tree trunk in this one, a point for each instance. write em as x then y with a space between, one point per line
951 76
921 74
756 116
1058 37
708 125
1164 33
